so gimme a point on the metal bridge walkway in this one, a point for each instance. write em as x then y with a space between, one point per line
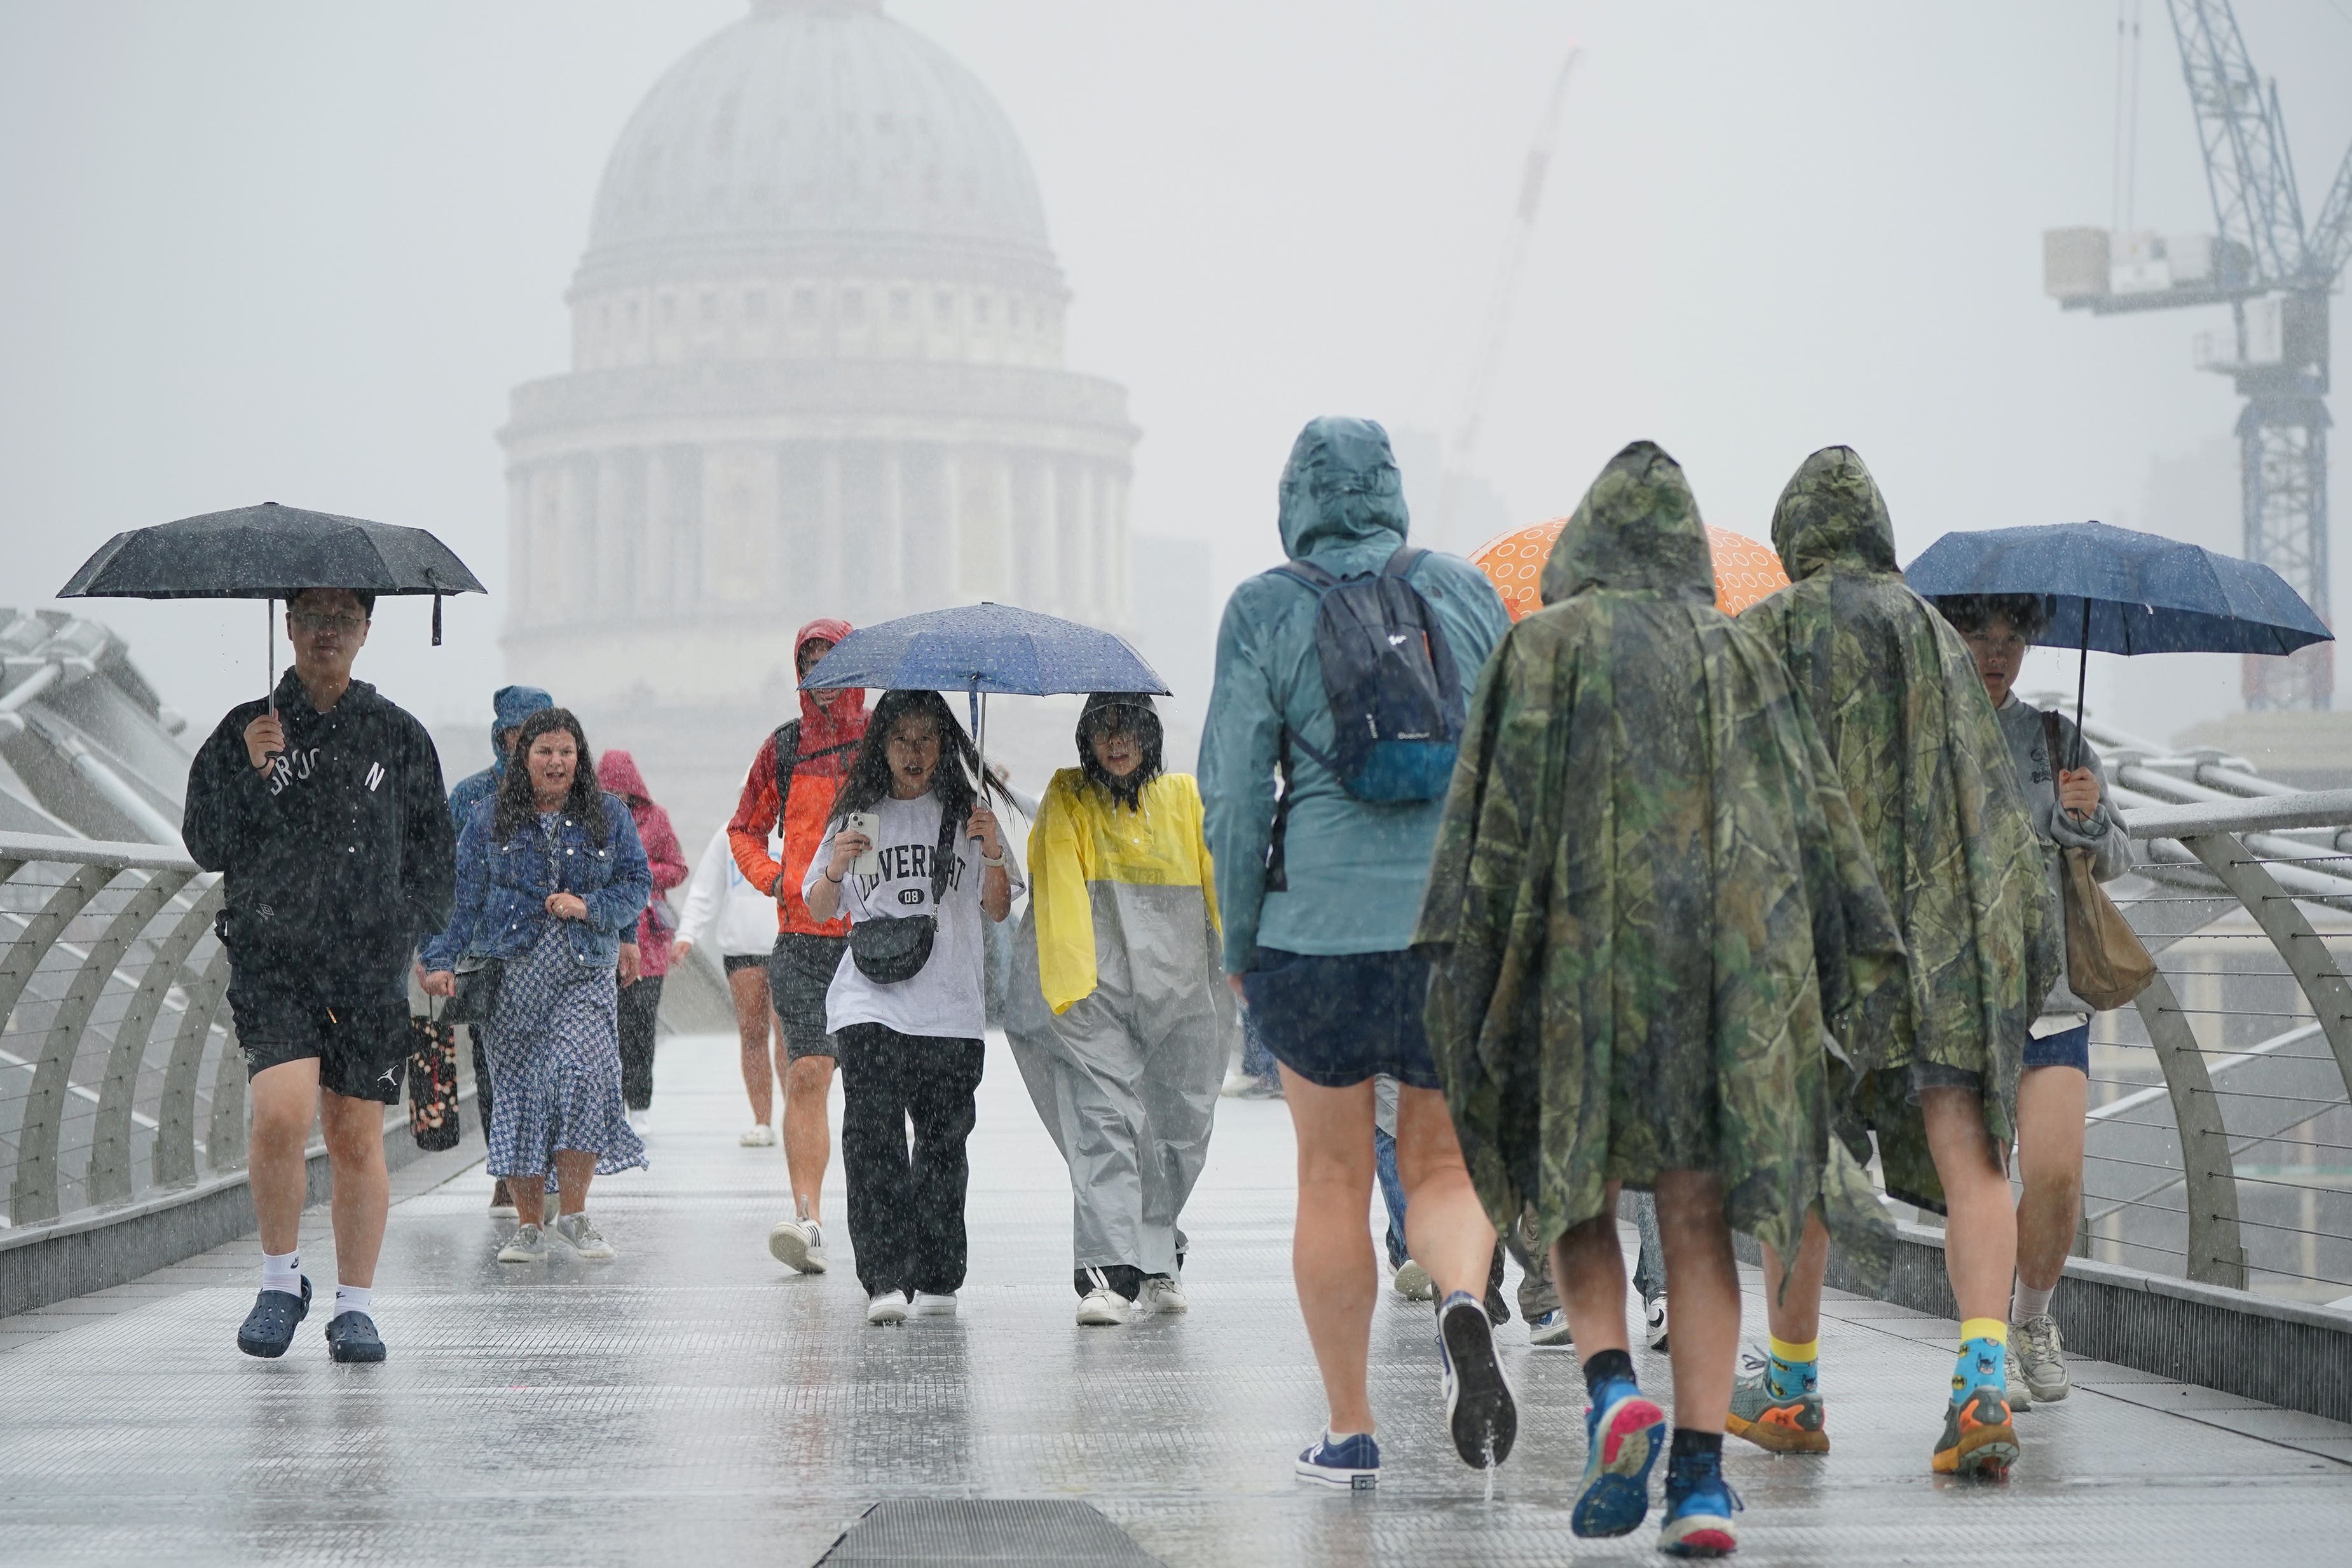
696 1403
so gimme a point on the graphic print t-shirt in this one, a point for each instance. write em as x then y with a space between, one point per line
948 998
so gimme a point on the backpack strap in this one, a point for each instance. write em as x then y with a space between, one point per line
1308 572
1402 563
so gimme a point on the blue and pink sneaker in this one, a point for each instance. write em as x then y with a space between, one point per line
1352 1464
1623 1435
1699 1506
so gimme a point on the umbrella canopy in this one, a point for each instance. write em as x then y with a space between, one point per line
2121 591
268 551
1745 569
983 648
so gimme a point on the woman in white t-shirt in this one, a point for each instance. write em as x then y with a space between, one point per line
909 1049
722 906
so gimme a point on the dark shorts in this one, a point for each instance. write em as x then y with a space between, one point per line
731 962
1339 1020
800 972
361 1050
2070 1049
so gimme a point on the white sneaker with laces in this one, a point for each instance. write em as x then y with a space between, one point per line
886 1309
1162 1293
1412 1283
934 1305
1655 1316
1102 1307
586 1238
798 1243
758 1137
526 1245
2039 1356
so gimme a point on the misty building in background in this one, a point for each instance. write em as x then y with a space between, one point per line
86 749
817 369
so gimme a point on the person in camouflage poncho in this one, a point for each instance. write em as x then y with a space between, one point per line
1894 694
1648 907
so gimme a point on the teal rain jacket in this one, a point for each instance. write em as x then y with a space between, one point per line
1355 870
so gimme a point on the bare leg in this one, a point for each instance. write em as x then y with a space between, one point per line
1980 1226
1331 1246
808 1139
2050 1105
1796 1315
1704 1284
1448 1232
362 1201
529 1195
748 989
285 1104
574 1168
1588 1268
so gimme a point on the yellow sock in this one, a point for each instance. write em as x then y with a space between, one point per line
1787 1351
1993 1328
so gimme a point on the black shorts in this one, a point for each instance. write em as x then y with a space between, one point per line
362 1049
734 961
1341 1018
799 973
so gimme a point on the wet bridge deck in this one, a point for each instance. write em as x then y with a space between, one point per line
695 1403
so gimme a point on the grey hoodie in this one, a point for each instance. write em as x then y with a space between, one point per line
2103 835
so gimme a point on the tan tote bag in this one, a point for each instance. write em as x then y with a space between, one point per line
2106 964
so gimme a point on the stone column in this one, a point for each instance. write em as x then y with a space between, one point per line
887 551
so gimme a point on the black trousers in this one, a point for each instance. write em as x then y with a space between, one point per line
906 1207
640 1004
481 1080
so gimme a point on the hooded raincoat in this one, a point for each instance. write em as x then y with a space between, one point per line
510 705
1118 1016
1647 909
1895 698
617 773
828 738
1353 870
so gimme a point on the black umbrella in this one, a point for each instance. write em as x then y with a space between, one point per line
271 552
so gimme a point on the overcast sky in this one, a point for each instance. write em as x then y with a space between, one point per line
293 251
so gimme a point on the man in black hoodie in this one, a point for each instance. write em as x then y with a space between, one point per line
323 807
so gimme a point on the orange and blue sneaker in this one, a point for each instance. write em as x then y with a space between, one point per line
1699 1506
1977 1439
1784 1422
1623 1435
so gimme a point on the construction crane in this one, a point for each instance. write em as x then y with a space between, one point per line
1478 390
2275 275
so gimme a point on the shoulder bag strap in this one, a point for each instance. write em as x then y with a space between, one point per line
942 859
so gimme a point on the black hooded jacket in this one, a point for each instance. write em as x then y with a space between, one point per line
339 859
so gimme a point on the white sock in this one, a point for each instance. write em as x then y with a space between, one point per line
354 1299
1335 1438
282 1271
2028 1302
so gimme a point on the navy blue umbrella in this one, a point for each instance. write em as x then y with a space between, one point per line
2122 591
983 648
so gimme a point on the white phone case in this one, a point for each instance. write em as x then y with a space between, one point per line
870 824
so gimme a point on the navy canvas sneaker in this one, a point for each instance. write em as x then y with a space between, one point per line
1352 1464
270 1327
1479 1406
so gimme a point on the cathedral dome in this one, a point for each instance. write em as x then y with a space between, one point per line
818 134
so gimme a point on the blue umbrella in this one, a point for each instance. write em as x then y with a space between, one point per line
983 648
2122 591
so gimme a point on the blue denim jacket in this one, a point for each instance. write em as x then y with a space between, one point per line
502 889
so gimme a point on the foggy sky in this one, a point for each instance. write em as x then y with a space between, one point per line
302 252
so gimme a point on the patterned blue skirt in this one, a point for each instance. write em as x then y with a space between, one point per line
554 1052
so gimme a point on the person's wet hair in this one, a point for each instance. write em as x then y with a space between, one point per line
1121 713
2028 613
367 599
518 805
868 781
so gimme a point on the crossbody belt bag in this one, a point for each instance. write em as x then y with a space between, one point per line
2107 962
888 948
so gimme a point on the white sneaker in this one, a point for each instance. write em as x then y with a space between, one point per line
798 1243
935 1304
501 1201
586 1238
759 1136
637 1120
1163 1294
1102 1307
2037 1358
1654 1318
526 1245
887 1309
1413 1284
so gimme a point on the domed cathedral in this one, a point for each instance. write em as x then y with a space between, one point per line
817 370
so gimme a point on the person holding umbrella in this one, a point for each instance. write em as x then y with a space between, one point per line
322 807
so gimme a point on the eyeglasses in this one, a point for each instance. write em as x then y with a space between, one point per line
312 621
2008 642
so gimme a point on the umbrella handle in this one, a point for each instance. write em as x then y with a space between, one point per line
269 633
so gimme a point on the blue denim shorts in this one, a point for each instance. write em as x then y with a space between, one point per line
2070 1049
1338 1019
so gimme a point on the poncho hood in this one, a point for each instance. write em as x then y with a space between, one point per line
1341 487
1637 528
618 772
1832 517
510 705
823 728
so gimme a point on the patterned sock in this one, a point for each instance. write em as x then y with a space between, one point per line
282 1271
2026 1304
1606 1367
1794 1369
1984 1356
354 1299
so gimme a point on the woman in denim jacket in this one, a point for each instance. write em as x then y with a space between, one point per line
551 879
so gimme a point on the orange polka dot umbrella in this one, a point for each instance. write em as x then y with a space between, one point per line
1745 570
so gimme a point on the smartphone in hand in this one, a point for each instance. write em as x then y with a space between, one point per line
870 824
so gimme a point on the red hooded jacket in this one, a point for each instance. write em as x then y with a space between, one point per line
814 780
616 771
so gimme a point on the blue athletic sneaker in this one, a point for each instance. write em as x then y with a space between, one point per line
269 1328
1479 1406
1352 1464
1623 1435
1699 1506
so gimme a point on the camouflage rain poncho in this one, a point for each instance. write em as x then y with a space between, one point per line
1639 866
1895 695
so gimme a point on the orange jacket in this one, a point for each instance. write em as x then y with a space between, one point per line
833 733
